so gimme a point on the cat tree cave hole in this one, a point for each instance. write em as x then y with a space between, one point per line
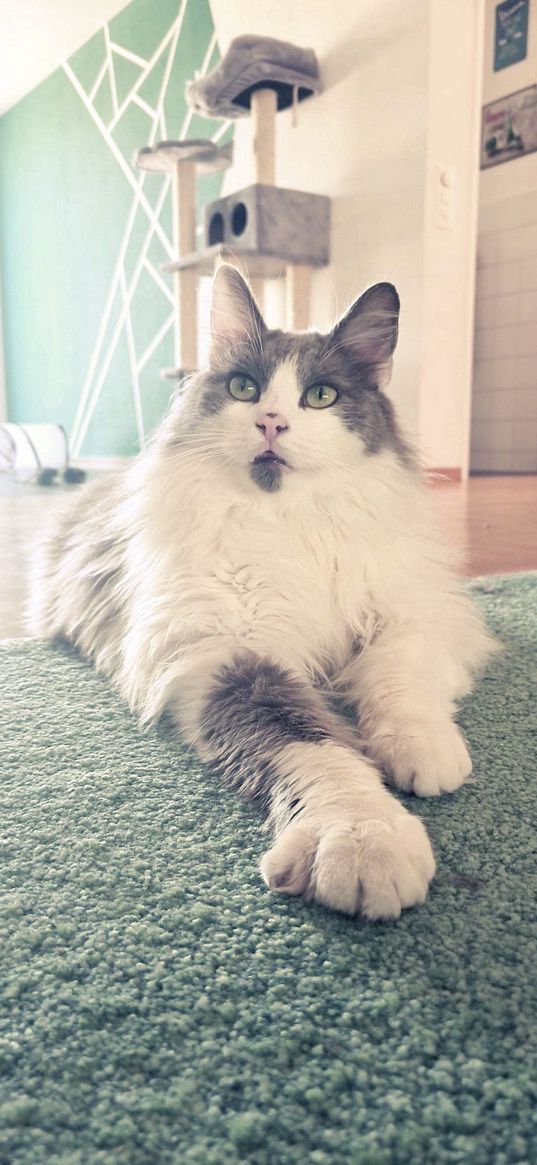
239 218
216 229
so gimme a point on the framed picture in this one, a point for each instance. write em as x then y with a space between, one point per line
509 127
510 33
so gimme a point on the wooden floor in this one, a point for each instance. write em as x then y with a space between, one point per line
493 518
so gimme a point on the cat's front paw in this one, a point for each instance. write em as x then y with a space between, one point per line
421 756
369 865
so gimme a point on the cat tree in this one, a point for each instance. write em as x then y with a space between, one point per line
269 229
184 160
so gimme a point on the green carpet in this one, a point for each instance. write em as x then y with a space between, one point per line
160 1005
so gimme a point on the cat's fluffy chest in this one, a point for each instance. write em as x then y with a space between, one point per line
275 584
287 583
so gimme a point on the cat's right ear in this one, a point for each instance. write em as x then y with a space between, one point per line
369 331
235 316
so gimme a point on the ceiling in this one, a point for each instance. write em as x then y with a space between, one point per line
36 35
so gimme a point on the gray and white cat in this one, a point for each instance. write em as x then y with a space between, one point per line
272 551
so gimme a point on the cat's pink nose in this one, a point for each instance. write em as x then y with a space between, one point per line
271 425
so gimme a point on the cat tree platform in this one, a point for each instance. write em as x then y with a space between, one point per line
256 266
165 157
251 64
268 227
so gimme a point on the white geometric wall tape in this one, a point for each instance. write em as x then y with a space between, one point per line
122 290
157 277
78 436
133 366
157 339
120 159
221 131
128 55
98 80
111 73
172 35
139 101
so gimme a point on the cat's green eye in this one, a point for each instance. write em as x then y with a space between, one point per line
243 388
321 396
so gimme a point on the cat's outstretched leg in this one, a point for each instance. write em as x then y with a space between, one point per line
404 689
340 837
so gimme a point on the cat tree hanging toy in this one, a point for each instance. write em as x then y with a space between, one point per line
271 230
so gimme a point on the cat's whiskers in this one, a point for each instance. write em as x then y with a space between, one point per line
329 352
201 449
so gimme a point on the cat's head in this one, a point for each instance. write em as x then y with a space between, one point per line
277 405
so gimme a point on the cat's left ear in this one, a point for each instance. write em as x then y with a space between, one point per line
235 316
369 330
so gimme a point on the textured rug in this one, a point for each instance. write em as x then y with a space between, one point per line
160 1006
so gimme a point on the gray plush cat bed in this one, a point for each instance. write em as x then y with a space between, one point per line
255 62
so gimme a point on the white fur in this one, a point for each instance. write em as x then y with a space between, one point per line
344 554
341 553
354 847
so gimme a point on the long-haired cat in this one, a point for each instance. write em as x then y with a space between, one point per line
271 553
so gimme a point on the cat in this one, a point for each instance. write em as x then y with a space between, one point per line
271 556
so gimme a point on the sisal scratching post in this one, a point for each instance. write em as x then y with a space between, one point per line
185 281
298 297
257 285
263 109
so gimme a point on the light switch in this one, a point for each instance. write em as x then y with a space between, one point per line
445 181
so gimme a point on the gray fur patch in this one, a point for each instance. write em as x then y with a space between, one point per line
267 475
80 574
362 406
256 708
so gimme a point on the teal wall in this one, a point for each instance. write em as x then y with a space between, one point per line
66 205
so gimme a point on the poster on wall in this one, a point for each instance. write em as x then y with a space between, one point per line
510 33
509 127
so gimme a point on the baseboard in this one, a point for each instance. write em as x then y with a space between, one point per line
99 464
445 474
503 473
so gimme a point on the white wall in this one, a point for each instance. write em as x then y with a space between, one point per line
362 142
450 225
3 389
36 35
400 100
504 413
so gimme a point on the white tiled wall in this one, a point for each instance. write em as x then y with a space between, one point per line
504 412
